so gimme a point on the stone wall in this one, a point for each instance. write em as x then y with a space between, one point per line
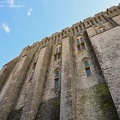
5 72
89 90
67 82
49 110
13 85
106 46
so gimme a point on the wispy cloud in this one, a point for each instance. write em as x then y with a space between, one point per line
11 2
29 12
6 27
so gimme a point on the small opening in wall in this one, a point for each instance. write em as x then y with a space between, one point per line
57 54
101 29
80 43
56 50
95 20
55 57
34 65
87 68
56 83
57 76
88 71
78 47
83 45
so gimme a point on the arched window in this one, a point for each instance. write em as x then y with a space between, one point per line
80 43
101 29
57 77
58 51
87 68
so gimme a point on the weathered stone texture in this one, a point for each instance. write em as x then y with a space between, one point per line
49 110
107 48
49 87
67 77
95 103
117 19
11 89
86 98
5 72
33 101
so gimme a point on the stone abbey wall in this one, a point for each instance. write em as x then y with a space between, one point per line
30 89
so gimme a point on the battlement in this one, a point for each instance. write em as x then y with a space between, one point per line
101 20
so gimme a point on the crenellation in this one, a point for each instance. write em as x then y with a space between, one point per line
87 23
79 27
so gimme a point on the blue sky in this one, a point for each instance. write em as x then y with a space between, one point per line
23 22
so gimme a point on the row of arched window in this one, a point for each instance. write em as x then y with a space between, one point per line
57 55
80 46
57 73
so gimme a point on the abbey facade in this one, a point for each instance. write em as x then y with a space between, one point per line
72 75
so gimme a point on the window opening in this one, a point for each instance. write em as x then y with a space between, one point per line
87 68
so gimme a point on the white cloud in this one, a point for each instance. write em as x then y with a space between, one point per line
29 12
11 2
6 27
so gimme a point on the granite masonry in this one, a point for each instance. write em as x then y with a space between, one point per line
72 75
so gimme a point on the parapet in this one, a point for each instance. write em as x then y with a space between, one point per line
96 21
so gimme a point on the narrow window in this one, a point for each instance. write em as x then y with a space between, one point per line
58 51
88 72
59 56
86 64
55 57
57 75
83 46
87 68
78 47
57 83
81 40
80 44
